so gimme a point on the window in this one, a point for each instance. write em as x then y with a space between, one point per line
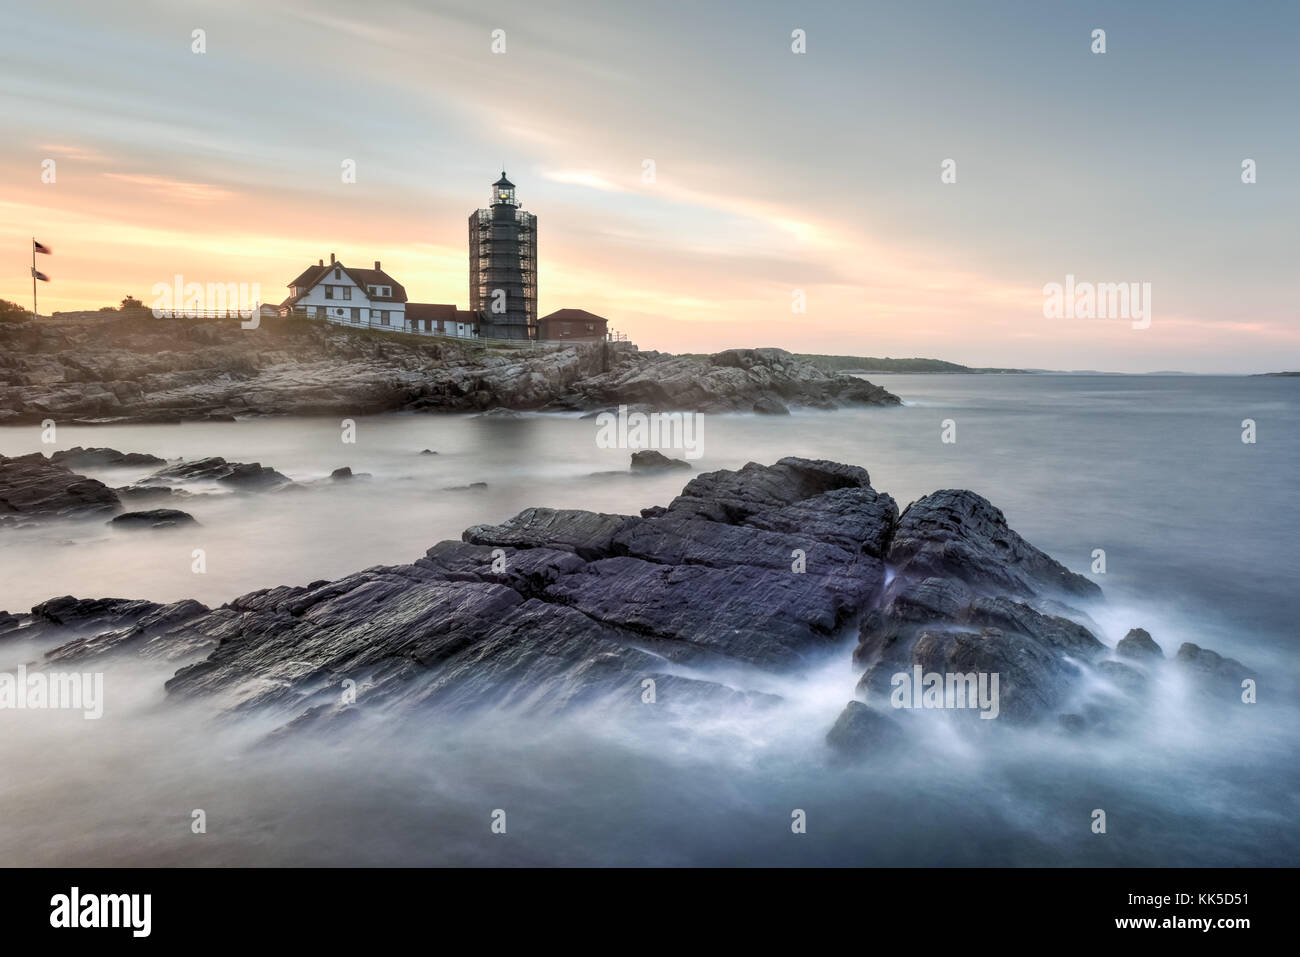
329 292
347 292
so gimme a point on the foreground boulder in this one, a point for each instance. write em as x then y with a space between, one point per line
33 488
762 570
153 518
244 476
78 457
652 460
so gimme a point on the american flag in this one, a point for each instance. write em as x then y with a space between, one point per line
41 248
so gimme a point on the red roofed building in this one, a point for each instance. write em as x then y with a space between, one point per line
575 325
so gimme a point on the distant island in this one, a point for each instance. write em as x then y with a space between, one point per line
834 364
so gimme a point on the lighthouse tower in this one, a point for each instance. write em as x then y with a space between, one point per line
503 266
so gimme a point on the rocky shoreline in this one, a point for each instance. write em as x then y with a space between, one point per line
139 369
760 570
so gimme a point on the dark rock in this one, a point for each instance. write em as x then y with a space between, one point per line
1138 644
860 730
428 452
33 488
652 460
590 534
154 518
68 616
161 628
342 474
149 493
732 497
1033 681
1212 670
860 519
471 487
761 569
956 533
770 405
241 475
77 457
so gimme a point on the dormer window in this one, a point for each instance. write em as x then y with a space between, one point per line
338 273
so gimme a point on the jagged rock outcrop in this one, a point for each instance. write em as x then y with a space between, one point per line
78 457
34 488
652 460
241 475
737 380
762 569
141 369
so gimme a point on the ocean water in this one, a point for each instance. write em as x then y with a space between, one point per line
1198 530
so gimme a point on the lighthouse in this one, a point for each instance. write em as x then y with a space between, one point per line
503 266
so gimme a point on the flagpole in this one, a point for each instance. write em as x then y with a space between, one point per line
34 313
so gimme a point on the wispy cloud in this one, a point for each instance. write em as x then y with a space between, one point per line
175 189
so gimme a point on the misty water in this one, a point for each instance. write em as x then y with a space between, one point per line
1198 530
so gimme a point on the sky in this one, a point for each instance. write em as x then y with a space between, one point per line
779 179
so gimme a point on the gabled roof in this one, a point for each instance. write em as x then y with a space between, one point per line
365 278
419 311
574 315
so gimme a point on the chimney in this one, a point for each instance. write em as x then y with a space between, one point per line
331 259
376 265
320 262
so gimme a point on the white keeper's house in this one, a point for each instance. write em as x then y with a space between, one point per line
370 299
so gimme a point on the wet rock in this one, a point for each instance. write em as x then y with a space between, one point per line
153 518
860 730
1212 670
428 452
471 487
761 570
958 534
78 457
733 496
589 534
149 493
32 488
1139 645
241 475
67 616
340 475
161 629
652 460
